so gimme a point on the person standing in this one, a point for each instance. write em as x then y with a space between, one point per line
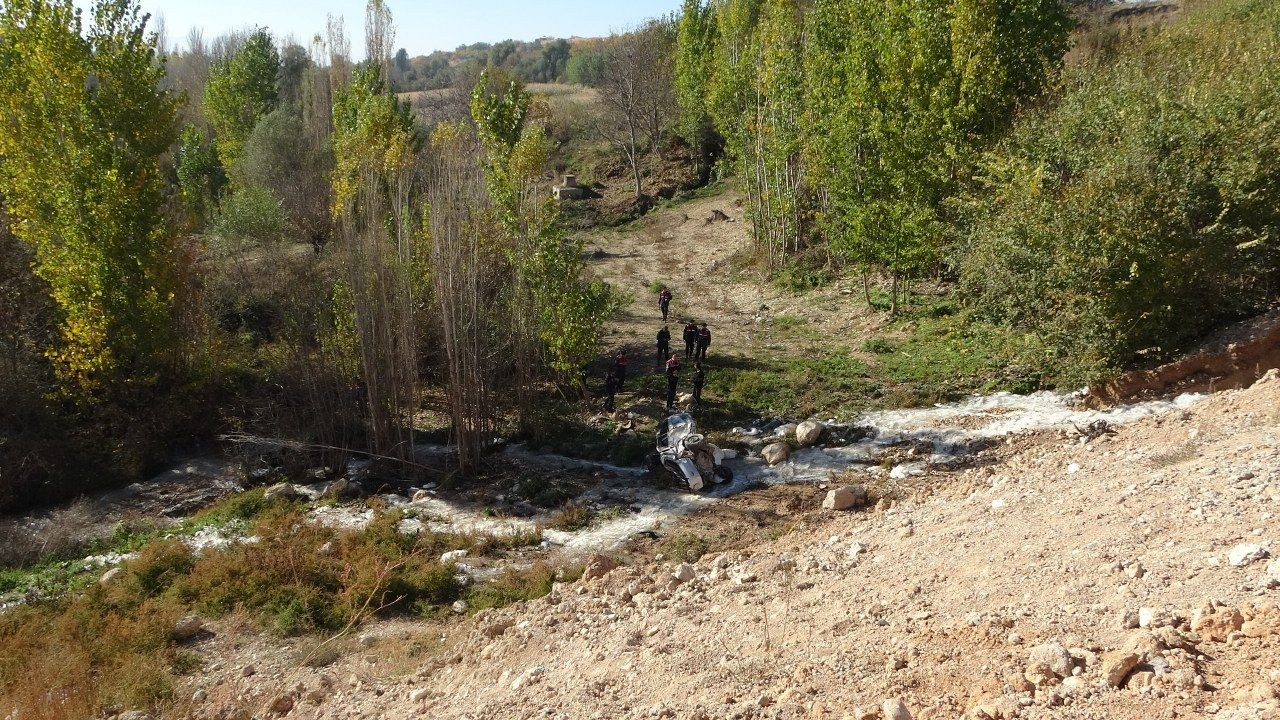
664 302
704 342
690 339
699 379
610 389
673 379
664 343
620 368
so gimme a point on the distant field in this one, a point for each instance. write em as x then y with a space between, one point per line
568 93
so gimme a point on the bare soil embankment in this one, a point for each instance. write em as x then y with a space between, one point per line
1124 576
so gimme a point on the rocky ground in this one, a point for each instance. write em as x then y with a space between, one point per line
1123 576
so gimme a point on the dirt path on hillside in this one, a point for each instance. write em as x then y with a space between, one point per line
702 260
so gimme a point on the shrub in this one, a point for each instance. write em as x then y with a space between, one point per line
574 516
513 586
1139 210
251 214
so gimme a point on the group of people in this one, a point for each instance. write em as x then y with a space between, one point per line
697 339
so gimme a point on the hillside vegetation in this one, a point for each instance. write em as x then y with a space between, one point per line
1111 210
351 277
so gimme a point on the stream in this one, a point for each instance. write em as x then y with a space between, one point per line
952 431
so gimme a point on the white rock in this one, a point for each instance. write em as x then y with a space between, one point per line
844 498
776 453
1273 572
453 556
419 695
1075 685
186 628
110 575
281 491
531 676
808 432
1052 657
684 573
894 709
460 606
1245 554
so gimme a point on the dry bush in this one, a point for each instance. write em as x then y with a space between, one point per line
68 660
66 532
112 645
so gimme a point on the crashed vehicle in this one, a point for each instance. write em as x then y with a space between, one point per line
687 455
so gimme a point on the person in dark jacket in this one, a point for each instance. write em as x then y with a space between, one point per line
704 342
690 339
664 343
620 368
610 389
673 379
664 302
699 379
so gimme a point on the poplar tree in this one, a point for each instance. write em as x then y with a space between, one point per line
84 123
241 91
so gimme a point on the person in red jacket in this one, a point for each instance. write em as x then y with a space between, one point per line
704 342
620 367
664 302
673 379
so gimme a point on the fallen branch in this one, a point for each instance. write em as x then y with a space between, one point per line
247 439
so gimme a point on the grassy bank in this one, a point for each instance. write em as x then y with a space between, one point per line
92 644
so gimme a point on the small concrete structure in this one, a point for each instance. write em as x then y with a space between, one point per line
569 190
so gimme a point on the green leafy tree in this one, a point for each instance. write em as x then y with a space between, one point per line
251 214
374 143
200 174
85 123
556 311
1142 209
695 55
373 138
901 96
241 91
554 57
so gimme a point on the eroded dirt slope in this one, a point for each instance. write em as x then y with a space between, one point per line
1122 577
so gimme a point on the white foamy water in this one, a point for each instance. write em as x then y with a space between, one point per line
953 430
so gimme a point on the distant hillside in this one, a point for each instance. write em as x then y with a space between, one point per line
545 60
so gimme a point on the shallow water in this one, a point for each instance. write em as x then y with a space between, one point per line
952 430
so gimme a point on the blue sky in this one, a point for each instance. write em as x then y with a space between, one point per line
421 25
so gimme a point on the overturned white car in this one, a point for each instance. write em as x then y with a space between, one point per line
687 455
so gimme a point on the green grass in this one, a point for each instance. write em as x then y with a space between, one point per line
932 353
516 586
573 437
791 386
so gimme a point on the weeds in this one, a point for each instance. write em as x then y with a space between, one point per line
1187 452
686 548
520 585
573 516
110 644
